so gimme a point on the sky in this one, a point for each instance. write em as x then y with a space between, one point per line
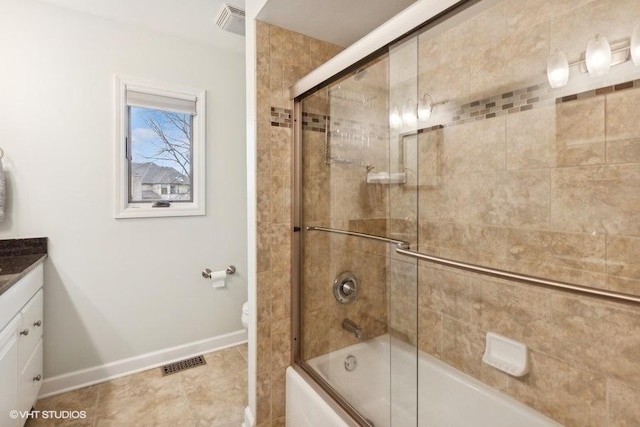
145 141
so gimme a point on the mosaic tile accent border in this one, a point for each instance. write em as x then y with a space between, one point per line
281 117
516 101
315 122
600 91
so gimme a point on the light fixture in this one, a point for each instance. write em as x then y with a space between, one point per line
395 121
598 56
425 107
558 69
409 117
635 45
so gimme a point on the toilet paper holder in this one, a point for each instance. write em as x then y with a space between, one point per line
206 273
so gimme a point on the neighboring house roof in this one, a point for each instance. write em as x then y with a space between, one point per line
154 174
148 194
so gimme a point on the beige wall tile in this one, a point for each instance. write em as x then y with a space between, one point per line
520 199
572 396
445 291
263 402
531 139
574 258
264 348
463 151
598 335
516 311
281 344
623 128
263 191
280 246
280 295
623 264
580 132
281 151
597 199
430 335
264 248
520 15
476 244
462 346
278 394
447 201
262 38
623 404
263 290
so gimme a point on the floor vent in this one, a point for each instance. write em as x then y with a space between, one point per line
181 365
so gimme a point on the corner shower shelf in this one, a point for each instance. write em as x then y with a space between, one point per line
403 248
386 178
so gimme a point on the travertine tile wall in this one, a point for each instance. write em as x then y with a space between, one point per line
282 58
550 190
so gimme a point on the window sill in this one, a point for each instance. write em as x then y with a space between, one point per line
149 212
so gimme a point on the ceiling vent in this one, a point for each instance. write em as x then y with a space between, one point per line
231 18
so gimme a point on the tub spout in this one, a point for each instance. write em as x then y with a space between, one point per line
350 326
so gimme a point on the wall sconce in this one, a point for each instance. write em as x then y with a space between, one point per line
395 121
558 69
409 117
599 56
411 114
425 107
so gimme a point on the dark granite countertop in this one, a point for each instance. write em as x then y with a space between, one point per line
18 257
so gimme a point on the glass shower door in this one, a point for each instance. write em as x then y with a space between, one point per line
355 296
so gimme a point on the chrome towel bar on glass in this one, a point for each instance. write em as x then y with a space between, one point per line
399 243
403 248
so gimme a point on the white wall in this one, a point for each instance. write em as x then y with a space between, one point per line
252 8
115 288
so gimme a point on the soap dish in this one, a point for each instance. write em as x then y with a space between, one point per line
507 355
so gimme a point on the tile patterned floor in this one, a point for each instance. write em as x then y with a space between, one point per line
212 395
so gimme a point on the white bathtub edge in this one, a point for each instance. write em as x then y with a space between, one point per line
309 406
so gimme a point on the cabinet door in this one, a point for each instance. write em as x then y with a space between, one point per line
31 329
31 379
9 370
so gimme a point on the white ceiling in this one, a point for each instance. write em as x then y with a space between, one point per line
337 21
341 22
190 19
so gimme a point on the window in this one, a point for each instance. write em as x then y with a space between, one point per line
160 150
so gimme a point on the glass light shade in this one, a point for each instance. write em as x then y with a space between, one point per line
409 113
598 56
395 121
635 45
558 69
425 107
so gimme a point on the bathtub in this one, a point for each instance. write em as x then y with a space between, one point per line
447 397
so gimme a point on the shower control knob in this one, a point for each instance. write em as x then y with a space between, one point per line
345 287
348 287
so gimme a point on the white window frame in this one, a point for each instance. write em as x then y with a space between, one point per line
126 209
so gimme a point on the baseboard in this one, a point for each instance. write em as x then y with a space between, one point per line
132 365
249 421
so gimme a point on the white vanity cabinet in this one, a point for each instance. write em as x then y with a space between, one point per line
21 333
